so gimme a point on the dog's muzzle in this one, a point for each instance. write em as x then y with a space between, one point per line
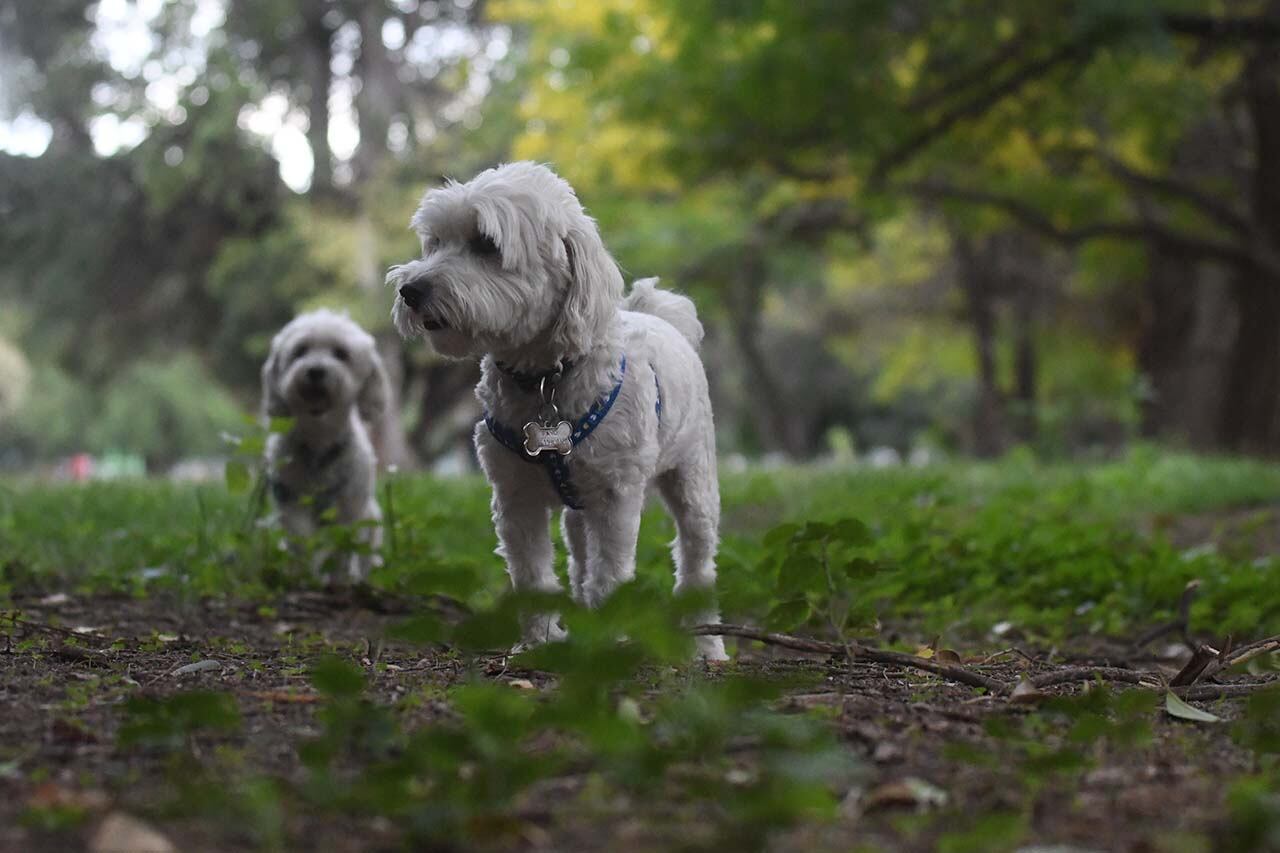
417 296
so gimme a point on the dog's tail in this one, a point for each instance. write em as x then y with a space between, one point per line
646 298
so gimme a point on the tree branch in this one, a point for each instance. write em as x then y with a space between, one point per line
1215 208
1149 232
975 75
1075 50
1145 679
1211 28
859 652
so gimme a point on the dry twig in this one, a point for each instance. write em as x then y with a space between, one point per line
1145 679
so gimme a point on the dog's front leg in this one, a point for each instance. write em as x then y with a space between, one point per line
524 541
370 537
613 526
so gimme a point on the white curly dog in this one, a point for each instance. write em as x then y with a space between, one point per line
325 374
588 397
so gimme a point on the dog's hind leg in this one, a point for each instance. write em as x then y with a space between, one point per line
573 527
693 498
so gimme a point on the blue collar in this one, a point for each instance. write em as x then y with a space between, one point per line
557 466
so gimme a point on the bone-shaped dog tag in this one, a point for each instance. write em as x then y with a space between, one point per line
548 436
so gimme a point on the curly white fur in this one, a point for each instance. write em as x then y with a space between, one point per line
514 271
325 374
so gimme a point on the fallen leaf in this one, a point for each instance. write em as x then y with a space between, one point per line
69 731
49 795
948 656
122 833
198 666
1026 692
886 752
629 709
167 638
1180 709
522 684
55 599
910 793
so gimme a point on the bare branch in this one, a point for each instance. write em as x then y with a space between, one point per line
978 74
1076 50
1075 674
1148 232
1144 679
1211 28
860 652
1215 208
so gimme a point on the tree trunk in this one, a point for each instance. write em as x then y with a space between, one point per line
1250 422
379 95
319 54
1024 361
768 404
445 385
1188 325
1251 411
393 448
988 410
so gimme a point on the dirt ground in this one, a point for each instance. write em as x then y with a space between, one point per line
59 723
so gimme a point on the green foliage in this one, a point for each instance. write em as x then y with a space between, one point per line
1259 727
1254 804
164 410
1051 549
170 723
459 778
52 422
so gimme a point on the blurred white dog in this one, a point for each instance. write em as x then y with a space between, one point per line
325 374
588 397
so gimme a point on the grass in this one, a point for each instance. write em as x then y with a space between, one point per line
1060 553
1055 549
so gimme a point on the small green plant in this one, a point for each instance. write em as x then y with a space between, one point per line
169 724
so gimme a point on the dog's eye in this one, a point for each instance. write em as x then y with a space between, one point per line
483 245
299 352
340 353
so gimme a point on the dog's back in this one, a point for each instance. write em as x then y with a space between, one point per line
646 298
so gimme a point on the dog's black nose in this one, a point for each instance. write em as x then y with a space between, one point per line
414 295
315 374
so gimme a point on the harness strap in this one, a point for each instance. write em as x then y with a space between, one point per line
557 466
319 459
317 501
314 461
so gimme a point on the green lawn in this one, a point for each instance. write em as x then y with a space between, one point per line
1052 548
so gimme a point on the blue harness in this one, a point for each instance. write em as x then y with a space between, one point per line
557 466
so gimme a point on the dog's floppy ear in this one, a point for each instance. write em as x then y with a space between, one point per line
595 288
375 391
273 403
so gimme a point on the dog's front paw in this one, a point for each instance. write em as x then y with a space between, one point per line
711 649
541 629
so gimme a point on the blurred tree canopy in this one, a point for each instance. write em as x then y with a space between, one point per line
971 222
